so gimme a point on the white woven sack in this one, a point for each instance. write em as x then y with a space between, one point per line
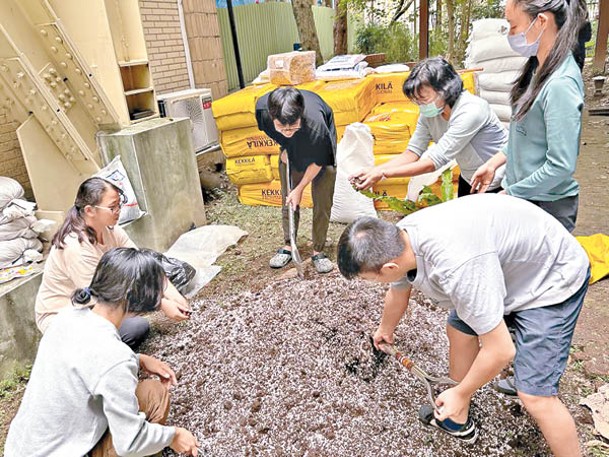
503 65
502 82
11 252
353 153
494 97
504 113
490 48
18 228
115 173
484 28
9 190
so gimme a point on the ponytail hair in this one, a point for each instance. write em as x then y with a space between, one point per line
90 193
570 16
125 277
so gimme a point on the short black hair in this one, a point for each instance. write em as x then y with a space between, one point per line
437 73
366 245
286 104
126 277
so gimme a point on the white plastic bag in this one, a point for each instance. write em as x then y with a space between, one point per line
416 183
353 153
115 173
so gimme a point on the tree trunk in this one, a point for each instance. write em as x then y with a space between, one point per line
438 26
464 31
401 9
340 28
450 11
306 28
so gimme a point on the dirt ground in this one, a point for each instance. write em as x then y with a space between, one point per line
593 217
267 368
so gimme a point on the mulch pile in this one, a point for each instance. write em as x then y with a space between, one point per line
289 371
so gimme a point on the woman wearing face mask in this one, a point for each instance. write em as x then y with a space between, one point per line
89 230
547 102
463 127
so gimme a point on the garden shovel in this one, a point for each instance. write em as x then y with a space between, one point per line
295 254
429 381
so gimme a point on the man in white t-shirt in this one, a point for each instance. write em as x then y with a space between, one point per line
494 261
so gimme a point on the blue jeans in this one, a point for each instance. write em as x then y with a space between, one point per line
543 339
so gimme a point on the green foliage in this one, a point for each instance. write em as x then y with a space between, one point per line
14 381
395 40
426 197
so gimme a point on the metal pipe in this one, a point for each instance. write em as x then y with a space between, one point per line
233 32
191 76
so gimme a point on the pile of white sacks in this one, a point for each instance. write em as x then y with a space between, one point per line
19 228
489 49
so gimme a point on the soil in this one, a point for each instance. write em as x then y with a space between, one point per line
289 371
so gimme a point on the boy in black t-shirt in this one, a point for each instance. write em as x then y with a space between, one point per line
303 125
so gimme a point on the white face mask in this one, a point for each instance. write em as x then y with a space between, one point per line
519 43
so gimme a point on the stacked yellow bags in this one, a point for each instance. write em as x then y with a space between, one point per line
377 100
351 100
388 86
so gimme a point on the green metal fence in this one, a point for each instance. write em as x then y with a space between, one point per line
270 28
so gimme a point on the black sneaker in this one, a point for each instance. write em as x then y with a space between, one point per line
468 432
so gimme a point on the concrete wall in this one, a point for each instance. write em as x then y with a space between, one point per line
160 161
11 158
166 53
19 335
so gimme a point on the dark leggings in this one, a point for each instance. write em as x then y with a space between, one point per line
133 331
465 188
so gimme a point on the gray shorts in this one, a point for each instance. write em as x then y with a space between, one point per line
543 339
564 210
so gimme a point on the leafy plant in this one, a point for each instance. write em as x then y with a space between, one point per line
426 198
395 40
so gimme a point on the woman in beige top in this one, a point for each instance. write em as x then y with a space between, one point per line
90 230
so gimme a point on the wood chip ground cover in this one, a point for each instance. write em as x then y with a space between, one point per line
288 371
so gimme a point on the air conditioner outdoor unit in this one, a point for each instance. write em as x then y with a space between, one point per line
196 105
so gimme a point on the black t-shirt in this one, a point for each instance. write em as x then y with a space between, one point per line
315 142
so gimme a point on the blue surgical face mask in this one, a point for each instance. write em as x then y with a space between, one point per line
430 109
519 43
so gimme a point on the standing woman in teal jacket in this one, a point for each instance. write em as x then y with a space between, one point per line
547 102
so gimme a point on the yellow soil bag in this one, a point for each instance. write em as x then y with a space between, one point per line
399 107
597 248
237 110
389 182
247 142
249 170
393 190
269 194
391 131
351 100
388 86
275 166
469 81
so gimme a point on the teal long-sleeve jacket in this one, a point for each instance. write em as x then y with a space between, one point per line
543 147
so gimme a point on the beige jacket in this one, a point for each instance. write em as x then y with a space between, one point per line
71 268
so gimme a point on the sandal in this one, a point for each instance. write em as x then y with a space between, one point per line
281 258
321 263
